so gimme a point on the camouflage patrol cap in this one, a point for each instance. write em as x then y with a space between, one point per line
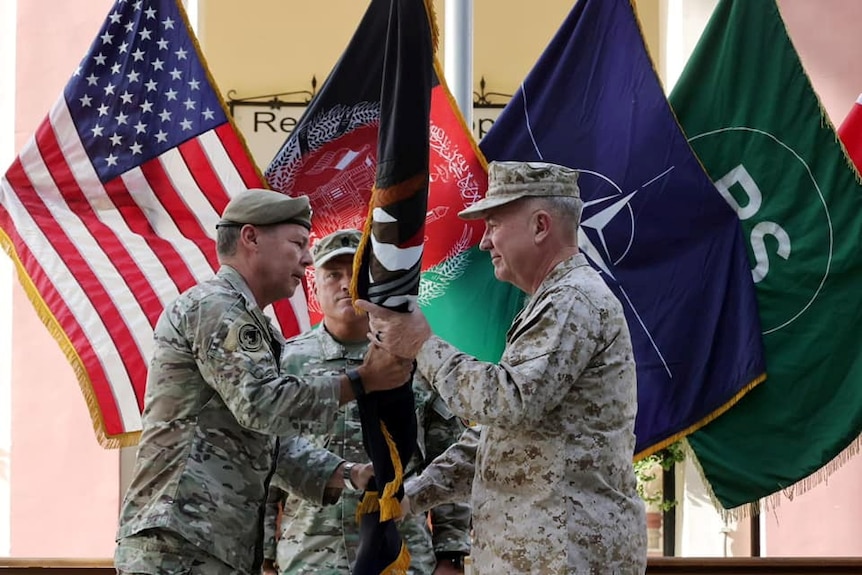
340 243
266 207
510 181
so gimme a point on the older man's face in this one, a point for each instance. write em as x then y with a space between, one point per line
508 238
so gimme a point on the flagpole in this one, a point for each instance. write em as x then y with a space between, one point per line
458 61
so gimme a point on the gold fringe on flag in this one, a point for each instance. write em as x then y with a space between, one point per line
432 22
50 322
703 421
773 501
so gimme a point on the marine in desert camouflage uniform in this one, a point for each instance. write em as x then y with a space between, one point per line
216 398
550 472
319 533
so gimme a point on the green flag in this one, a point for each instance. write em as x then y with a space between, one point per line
754 120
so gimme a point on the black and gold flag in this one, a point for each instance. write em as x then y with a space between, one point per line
388 265
374 110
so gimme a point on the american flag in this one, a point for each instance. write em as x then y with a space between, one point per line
109 211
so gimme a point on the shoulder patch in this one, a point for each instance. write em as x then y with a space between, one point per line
250 338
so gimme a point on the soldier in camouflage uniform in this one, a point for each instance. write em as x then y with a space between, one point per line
550 472
216 398
319 533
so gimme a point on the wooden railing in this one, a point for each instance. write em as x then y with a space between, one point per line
34 566
656 566
754 566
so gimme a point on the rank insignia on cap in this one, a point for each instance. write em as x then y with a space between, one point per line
250 338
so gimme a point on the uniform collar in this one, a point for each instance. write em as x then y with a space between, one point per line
559 272
334 349
238 283
562 269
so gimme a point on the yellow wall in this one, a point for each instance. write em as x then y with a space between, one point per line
269 46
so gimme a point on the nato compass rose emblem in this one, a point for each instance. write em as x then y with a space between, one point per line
607 233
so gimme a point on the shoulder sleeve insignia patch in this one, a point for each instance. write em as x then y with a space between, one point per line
250 338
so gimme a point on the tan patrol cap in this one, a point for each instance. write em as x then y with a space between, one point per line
340 243
266 207
510 181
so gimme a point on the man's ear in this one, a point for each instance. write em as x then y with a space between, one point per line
248 236
541 225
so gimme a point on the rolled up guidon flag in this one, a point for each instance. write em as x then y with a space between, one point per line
374 110
387 267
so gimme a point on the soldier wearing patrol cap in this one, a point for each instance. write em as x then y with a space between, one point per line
217 396
264 208
319 533
549 469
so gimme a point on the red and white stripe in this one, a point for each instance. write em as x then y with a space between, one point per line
105 259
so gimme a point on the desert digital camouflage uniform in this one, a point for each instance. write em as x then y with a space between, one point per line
553 487
322 539
215 400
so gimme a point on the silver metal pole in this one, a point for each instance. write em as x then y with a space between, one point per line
458 55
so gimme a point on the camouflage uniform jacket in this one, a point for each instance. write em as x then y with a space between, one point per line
215 401
553 486
322 539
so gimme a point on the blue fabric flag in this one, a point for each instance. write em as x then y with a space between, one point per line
653 224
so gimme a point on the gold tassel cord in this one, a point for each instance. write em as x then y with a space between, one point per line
360 250
387 504
390 507
401 563
369 504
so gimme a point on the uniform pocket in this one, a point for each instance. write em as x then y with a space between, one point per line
151 555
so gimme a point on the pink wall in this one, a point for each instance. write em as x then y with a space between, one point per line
64 487
827 520
826 35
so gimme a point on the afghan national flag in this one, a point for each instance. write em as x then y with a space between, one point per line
653 223
757 125
332 157
850 133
